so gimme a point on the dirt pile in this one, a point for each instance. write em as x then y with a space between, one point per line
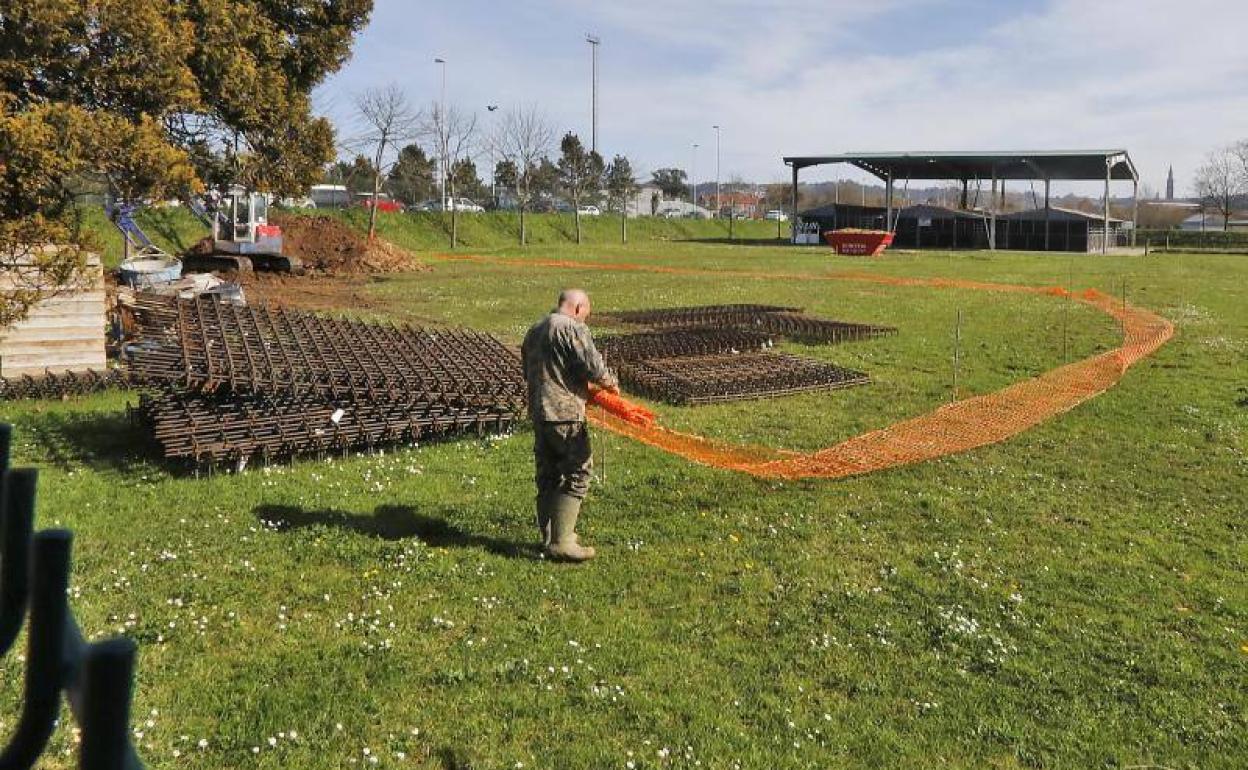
328 245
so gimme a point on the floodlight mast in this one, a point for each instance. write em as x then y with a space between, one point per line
443 161
594 41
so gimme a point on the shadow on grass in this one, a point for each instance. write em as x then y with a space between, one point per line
99 441
391 522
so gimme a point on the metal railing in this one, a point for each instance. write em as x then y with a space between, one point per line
96 678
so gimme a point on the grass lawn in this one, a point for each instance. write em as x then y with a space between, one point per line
1074 597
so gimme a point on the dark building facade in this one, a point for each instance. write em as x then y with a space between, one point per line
935 227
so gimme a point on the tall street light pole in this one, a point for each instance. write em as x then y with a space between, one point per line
442 131
594 41
719 206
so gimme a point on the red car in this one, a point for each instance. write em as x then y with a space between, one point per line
384 202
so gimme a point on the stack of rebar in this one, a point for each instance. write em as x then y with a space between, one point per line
642 346
716 353
62 384
787 322
228 383
734 377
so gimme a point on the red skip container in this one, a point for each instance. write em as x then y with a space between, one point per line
859 243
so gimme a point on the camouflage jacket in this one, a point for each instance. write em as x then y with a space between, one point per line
560 361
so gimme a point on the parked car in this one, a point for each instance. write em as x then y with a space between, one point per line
451 204
671 214
587 210
776 215
384 202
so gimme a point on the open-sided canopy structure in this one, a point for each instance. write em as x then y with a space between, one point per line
993 167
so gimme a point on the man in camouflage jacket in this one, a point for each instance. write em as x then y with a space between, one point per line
560 363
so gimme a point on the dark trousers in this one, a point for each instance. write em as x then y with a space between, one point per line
562 455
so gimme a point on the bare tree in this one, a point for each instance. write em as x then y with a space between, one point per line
453 132
1220 182
523 139
388 120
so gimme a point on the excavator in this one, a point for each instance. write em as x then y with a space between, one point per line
242 238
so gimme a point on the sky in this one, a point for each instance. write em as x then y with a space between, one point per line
1166 80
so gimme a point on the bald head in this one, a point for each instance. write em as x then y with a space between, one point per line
574 303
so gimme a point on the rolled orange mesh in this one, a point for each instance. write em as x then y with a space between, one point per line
952 428
620 408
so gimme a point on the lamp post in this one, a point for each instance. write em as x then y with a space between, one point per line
594 41
719 205
441 132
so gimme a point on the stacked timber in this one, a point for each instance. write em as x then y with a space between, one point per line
63 333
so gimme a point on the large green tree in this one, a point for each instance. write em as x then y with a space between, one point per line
674 182
580 174
413 178
621 185
156 98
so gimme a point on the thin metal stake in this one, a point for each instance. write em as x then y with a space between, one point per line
957 353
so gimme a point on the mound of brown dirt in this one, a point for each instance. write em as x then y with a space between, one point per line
328 245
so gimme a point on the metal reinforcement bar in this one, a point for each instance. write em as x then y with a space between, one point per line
641 346
720 378
96 678
207 345
62 385
694 315
786 322
217 427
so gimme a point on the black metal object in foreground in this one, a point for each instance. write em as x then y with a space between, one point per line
96 678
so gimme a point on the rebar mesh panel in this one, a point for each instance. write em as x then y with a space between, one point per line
695 315
219 427
712 379
61 385
774 320
207 345
642 346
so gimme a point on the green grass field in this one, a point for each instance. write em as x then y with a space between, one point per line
1074 597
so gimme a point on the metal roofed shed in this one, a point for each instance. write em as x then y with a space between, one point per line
993 167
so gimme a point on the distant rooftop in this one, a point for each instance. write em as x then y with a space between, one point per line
1066 165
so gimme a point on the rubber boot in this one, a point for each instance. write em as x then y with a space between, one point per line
564 511
544 501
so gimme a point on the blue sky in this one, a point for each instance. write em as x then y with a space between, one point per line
1165 80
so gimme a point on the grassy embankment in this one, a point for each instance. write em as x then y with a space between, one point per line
1071 598
175 229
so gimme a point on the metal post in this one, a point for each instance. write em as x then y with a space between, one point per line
965 194
693 185
793 209
888 202
992 213
1048 214
719 205
17 516
1135 210
594 41
442 165
957 353
1105 221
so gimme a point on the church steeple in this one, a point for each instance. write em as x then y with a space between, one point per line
1170 185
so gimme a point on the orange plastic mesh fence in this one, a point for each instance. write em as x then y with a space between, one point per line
620 408
952 428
